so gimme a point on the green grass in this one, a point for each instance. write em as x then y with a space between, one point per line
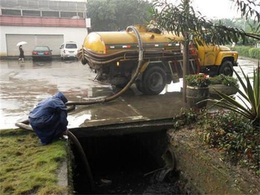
27 167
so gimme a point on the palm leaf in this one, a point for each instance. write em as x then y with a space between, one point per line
249 95
232 102
230 107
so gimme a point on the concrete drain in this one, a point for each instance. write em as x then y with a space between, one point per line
126 164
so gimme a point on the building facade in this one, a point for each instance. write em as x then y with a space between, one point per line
40 22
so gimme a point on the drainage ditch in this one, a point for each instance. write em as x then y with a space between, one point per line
135 163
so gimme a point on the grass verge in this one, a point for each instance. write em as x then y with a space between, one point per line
27 167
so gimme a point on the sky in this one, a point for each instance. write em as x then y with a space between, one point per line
214 9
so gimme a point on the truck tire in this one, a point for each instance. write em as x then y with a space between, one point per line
139 86
154 80
226 68
84 61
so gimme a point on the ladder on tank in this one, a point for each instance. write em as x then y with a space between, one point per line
176 67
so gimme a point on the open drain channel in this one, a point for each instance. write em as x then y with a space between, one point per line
125 159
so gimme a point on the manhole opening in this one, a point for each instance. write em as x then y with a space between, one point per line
123 164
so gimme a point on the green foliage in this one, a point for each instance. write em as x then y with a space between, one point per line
248 51
248 9
107 15
183 20
234 135
198 80
187 117
249 104
227 131
243 50
27 167
225 80
254 53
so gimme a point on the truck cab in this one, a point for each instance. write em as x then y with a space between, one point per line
215 59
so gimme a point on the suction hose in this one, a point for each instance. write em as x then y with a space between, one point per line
84 158
137 72
26 124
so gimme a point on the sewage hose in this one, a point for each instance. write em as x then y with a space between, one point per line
84 158
137 72
26 124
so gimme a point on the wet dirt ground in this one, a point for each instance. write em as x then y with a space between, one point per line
23 85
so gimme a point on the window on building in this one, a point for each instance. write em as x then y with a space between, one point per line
80 14
68 14
81 6
51 14
31 13
11 12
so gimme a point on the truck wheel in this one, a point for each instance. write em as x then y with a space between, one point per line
139 86
226 68
154 80
84 61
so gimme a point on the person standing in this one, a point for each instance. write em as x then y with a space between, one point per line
21 56
49 118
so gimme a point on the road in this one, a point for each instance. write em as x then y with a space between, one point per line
23 85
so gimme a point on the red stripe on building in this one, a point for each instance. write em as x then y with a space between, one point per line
41 22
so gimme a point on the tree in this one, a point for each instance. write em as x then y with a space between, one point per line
117 14
183 20
248 9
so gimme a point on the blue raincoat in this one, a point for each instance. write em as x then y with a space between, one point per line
49 118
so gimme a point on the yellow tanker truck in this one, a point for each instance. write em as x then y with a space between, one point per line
115 57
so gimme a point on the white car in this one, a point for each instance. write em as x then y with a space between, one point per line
69 50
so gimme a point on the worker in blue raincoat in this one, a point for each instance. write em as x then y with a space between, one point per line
49 118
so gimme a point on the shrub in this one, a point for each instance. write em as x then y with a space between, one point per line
199 80
247 51
254 53
243 50
250 95
227 131
235 136
225 80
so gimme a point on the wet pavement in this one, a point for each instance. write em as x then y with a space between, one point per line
23 85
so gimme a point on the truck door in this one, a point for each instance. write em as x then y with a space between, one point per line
207 54
210 54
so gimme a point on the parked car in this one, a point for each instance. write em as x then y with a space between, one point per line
42 52
69 50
